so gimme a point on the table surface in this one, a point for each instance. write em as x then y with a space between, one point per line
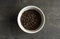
9 10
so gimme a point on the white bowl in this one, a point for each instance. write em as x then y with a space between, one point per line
28 8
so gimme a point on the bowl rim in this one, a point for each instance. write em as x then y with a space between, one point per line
20 14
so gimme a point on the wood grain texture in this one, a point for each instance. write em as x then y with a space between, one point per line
9 10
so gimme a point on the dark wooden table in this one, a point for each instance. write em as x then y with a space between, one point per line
9 10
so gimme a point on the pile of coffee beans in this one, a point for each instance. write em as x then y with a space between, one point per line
31 19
